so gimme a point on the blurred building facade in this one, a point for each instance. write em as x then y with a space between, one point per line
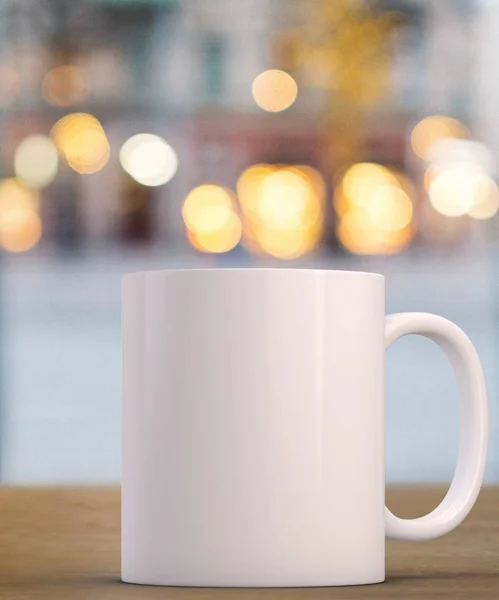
184 70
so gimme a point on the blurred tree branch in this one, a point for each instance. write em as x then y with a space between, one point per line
343 48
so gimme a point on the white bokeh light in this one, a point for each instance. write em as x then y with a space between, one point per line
36 161
454 192
148 159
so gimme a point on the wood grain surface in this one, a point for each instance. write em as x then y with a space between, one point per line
65 544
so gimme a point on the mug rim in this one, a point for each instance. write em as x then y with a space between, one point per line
256 269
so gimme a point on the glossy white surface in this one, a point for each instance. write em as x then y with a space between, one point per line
253 429
473 416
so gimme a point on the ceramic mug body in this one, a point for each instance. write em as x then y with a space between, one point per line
253 428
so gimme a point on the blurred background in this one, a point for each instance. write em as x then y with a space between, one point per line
144 134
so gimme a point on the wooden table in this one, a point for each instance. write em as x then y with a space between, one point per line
65 544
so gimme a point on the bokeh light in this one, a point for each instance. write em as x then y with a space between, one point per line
429 175
14 194
249 239
218 242
486 203
283 206
284 200
80 138
285 243
274 90
358 235
451 152
211 220
432 129
148 159
203 202
248 187
454 192
374 209
88 152
9 86
64 86
315 179
390 208
36 161
362 180
20 229
20 225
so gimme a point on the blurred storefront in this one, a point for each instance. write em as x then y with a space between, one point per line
187 72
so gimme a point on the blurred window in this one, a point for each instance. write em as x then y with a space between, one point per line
214 67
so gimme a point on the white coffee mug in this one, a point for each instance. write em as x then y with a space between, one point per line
253 428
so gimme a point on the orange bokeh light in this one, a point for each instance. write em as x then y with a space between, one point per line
80 138
374 210
20 229
435 128
212 224
274 90
283 206
64 85
358 235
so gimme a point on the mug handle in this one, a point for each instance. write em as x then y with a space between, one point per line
473 416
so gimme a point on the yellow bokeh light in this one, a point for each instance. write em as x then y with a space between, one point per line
453 192
485 209
283 243
362 180
284 209
374 210
204 204
36 161
284 198
20 225
249 238
358 235
274 90
20 229
435 128
315 178
287 243
88 151
82 140
13 195
249 186
429 175
210 218
340 202
66 128
300 180
149 159
390 209
218 241
64 85
486 200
